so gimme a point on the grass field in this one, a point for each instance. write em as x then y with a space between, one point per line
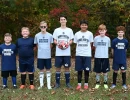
65 94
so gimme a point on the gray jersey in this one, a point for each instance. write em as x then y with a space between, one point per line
102 45
83 41
63 35
43 42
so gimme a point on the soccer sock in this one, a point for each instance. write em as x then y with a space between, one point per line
97 78
105 78
41 78
57 77
14 80
23 78
86 76
5 81
48 76
79 77
31 78
124 77
67 77
114 77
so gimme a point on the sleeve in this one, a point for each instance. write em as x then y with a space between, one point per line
109 42
94 42
91 38
71 35
75 38
35 40
51 39
113 44
55 35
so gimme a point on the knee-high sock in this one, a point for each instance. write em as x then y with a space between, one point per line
48 76
79 77
41 79
23 78
57 77
31 78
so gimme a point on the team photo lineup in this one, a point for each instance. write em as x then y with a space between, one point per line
63 37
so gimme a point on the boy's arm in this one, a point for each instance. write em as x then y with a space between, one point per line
112 51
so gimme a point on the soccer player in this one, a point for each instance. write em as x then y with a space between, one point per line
83 40
25 46
63 34
44 41
119 49
8 60
101 62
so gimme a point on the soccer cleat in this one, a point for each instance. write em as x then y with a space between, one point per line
56 86
124 87
15 86
97 86
4 87
40 87
113 86
49 87
22 86
105 86
68 86
85 87
31 87
78 87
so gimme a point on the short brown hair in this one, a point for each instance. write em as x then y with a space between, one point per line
24 28
120 28
102 27
7 34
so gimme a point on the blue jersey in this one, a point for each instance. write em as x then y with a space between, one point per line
119 48
8 57
25 48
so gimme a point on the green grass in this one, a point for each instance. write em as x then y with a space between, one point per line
66 94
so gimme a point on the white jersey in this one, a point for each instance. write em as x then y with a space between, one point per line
43 42
83 41
102 45
63 35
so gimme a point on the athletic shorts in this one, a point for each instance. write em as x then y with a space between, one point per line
12 73
82 63
101 65
116 66
44 63
26 65
62 60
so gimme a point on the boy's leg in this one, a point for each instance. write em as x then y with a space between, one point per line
105 81
114 79
48 76
13 73
5 75
97 80
23 78
79 77
41 78
124 79
86 77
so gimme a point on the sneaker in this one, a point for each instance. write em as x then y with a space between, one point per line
113 86
40 87
31 87
97 86
56 86
105 86
4 87
85 87
15 86
22 86
78 87
49 87
124 87
68 86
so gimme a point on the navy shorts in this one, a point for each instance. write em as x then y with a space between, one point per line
62 60
44 63
116 66
6 74
101 65
26 65
82 63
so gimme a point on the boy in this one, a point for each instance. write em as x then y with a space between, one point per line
101 62
8 60
83 40
44 42
25 47
63 55
119 49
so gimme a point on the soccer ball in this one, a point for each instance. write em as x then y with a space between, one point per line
63 45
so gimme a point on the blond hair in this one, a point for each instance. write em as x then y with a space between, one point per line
7 34
43 22
24 28
102 27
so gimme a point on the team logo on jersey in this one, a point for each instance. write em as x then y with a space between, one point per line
120 46
66 65
87 68
7 52
122 67
102 43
